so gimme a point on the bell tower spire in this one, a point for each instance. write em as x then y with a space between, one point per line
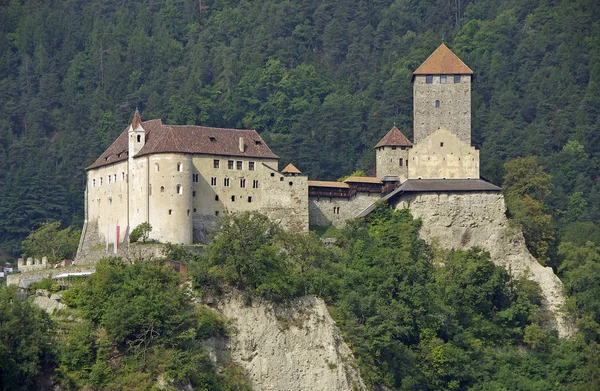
137 135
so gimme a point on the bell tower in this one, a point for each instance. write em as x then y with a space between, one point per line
136 135
442 96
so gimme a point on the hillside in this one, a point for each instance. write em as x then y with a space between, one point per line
322 81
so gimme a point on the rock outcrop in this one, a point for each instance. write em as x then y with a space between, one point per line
292 347
465 220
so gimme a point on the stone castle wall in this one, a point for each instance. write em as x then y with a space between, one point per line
285 201
454 111
466 220
392 161
324 211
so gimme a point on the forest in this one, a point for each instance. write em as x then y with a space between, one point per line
322 81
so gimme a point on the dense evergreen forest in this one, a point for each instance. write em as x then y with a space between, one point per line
322 81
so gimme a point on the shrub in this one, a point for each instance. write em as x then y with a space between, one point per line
142 232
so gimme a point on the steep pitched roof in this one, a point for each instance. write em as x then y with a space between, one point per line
161 138
137 120
291 169
441 62
394 138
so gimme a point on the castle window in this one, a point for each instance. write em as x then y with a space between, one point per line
251 166
401 162
456 79
162 189
216 212
109 177
196 178
255 184
216 163
441 144
442 79
393 148
139 138
179 167
291 183
238 165
179 189
242 182
115 178
93 183
170 212
437 105
429 79
194 193
213 140
213 181
272 174
194 210
226 182
188 212
249 199
100 181
232 198
156 167
336 210
230 164
257 142
123 176
217 197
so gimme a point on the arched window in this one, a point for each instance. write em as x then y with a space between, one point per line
162 189
437 104
179 189
156 167
179 167
139 138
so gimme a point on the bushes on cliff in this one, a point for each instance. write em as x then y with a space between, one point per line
142 232
51 241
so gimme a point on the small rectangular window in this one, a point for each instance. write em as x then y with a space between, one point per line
429 79
291 183
393 148
196 178
232 198
255 184
216 163
230 164
441 144
100 181
238 165
93 183
272 174
249 199
281 179
442 79
122 176
456 79
194 193
170 212
217 197
242 182
251 166
226 182
216 212
115 178
109 181
401 161
213 181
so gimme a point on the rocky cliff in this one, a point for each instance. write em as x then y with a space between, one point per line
292 347
465 220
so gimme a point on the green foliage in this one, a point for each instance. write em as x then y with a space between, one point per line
142 232
25 335
49 240
526 187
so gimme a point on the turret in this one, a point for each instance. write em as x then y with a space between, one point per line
392 155
442 96
137 135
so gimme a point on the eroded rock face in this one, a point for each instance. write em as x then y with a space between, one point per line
465 220
296 347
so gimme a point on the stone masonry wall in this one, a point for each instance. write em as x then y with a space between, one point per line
465 220
324 211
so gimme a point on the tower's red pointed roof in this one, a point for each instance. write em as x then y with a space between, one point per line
137 120
441 62
394 138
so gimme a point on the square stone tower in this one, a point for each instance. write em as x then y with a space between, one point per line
442 96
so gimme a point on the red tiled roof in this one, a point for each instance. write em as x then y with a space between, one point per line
340 185
394 138
137 120
442 61
362 179
291 169
161 138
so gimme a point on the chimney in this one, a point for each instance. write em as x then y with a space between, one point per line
241 144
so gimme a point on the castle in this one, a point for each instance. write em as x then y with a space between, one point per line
180 179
